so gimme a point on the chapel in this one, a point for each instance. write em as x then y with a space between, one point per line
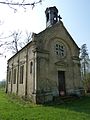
48 66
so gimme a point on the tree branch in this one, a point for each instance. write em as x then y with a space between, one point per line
21 4
7 36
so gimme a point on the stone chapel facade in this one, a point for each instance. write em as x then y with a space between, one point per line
48 66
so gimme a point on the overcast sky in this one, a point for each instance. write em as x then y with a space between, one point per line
75 16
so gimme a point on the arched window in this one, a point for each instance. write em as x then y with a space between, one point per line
47 17
14 76
55 18
21 74
9 80
31 67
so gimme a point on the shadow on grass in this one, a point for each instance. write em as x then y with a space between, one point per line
81 105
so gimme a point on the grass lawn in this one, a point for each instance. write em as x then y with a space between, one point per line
14 109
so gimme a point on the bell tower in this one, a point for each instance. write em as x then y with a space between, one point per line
51 16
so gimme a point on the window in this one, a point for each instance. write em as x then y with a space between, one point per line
60 49
14 76
21 74
9 77
47 17
31 67
55 18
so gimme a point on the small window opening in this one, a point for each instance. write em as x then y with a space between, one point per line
31 67
9 77
47 17
55 18
14 78
21 74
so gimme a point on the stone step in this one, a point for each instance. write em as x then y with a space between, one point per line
63 99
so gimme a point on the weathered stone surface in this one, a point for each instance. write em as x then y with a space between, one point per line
51 52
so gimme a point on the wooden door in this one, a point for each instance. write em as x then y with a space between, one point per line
61 83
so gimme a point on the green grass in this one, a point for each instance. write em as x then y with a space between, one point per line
12 108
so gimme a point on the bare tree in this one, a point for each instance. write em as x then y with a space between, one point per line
14 42
18 41
28 37
20 3
14 45
3 43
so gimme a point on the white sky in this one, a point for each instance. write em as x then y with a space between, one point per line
75 16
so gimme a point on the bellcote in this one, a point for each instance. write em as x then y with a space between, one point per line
52 16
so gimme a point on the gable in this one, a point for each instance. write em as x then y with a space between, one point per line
57 32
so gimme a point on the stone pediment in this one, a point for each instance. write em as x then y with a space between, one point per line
61 63
76 59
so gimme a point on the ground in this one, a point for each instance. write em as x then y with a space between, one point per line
13 108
